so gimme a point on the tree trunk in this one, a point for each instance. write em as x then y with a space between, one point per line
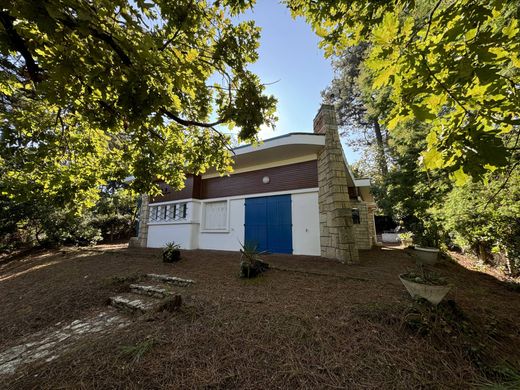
482 253
381 154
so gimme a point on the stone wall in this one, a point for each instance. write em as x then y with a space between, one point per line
362 230
372 224
142 234
337 235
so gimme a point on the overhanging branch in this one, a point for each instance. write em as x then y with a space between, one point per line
109 40
186 122
101 35
18 44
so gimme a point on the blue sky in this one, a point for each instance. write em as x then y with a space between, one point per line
289 54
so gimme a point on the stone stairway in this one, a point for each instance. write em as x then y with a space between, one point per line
154 293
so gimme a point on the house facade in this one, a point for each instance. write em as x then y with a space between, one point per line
292 194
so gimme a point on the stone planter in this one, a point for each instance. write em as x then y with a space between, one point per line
426 255
248 270
171 256
433 294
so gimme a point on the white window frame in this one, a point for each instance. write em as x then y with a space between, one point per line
159 213
203 228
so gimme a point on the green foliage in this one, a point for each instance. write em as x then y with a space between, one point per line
92 92
480 217
485 218
443 78
35 219
425 276
171 252
454 66
171 246
137 351
64 227
43 222
115 213
250 263
406 238
409 193
360 109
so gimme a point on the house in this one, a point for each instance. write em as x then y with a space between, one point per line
292 194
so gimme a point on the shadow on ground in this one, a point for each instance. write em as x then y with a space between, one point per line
309 322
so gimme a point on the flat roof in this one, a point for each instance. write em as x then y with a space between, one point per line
282 140
362 182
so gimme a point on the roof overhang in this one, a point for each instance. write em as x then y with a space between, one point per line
306 141
363 182
285 149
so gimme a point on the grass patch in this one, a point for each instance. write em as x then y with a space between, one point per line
135 352
508 378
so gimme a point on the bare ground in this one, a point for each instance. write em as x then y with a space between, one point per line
307 323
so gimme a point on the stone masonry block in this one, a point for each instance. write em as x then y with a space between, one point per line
337 234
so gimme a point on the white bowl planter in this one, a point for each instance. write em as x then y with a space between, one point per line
390 238
433 294
426 255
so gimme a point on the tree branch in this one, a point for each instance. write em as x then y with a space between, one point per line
103 36
186 122
19 45
228 147
441 84
109 40
156 135
503 185
430 18
165 44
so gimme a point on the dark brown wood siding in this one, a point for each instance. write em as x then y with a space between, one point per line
192 187
283 178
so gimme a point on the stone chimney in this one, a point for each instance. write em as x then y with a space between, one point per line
325 118
142 234
336 232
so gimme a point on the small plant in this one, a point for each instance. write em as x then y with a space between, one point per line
250 264
136 352
425 284
171 252
429 235
425 276
406 238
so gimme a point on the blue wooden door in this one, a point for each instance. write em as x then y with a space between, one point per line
256 223
268 223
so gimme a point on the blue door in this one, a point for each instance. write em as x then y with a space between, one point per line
268 223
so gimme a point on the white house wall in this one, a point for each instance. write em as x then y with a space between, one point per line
305 224
185 234
191 235
182 234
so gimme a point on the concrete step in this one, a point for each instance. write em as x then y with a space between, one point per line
171 280
134 303
140 304
160 291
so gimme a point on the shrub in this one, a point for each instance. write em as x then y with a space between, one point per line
250 264
171 252
485 219
34 219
